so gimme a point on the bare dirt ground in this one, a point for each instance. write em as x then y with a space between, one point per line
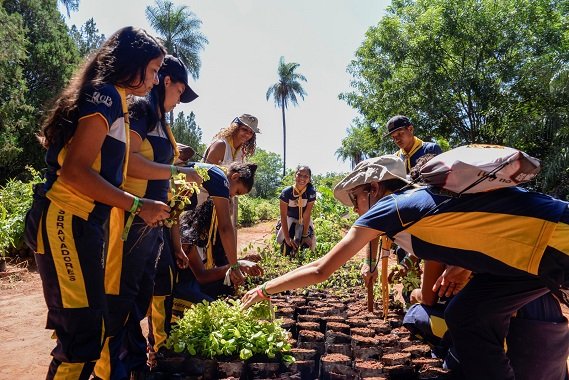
25 343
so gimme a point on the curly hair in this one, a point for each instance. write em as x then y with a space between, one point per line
121 60
194 225
248 147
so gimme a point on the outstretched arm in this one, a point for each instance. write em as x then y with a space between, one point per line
203 275
319 270
227 235
141 167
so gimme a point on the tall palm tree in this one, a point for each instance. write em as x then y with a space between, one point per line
179 31
284 91
70 5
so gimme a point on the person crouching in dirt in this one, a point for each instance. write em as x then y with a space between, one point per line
202 277
541 319
295 229
218 189
515 240
538 321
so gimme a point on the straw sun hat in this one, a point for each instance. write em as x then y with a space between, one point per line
375 169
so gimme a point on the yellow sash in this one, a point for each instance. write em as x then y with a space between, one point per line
417 144
173 142
209 263
298 193
122 93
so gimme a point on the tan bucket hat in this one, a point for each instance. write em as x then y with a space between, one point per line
248 120
375 169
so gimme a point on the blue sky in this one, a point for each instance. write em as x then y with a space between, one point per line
246 40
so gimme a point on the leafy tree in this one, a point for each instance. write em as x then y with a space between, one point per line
267 177
186 131
179 31
467 71
14 111
50 58
284 91
87 37
359 144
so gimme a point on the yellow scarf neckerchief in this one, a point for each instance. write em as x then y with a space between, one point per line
233 150
122 93
173 142
417 144
298 193
212 236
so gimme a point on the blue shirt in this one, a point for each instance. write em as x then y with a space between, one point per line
217 185
105 101
502 232
292 201
156 146
426 148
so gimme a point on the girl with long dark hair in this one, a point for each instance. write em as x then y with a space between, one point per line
87 139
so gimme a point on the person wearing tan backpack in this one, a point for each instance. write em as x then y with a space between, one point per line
515 240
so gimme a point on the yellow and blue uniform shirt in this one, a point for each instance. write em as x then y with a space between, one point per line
157 146
502 232
291 198
216 186
109 102
419 149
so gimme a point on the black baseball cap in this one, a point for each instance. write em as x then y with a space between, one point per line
175 68
396 123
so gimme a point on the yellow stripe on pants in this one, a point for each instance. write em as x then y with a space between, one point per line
158 321
65 258
113 265
66 371
103 365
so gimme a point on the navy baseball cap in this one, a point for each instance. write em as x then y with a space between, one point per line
175 68
396 123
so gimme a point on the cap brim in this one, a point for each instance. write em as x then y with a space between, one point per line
369 174
188 95
341 192
253 128
395 130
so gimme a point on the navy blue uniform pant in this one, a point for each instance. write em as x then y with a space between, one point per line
129 283
159 321
69 257
479 320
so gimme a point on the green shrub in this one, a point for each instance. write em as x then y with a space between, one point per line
253 210
15 200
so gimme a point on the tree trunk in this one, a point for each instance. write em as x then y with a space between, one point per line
284 136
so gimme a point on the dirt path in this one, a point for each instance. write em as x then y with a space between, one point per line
25 343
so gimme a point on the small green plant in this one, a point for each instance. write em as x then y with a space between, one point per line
409 279
222 329
182 192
